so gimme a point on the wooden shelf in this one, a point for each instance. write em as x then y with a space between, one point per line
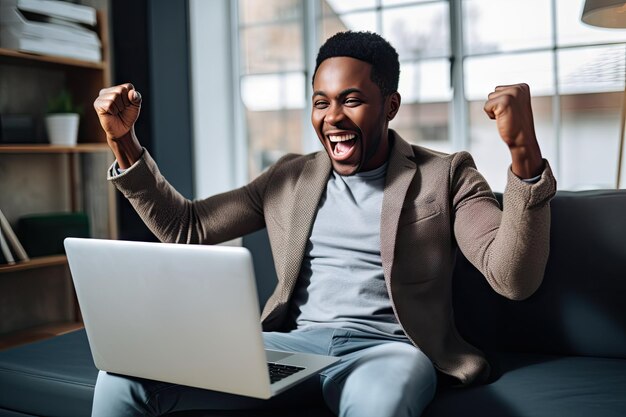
46 148
11 54
34 263
34 334
28 167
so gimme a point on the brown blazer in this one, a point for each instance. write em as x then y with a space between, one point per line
432 204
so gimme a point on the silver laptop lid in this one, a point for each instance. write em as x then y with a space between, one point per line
142 304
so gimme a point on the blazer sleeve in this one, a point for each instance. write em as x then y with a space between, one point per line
176 219
510 246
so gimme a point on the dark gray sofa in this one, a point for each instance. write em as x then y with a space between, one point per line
562 352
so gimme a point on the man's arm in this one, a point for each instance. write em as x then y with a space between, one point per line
169 215
511 247
174 218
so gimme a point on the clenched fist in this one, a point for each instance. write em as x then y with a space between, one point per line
509 106
118 109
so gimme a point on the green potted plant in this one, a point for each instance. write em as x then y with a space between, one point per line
62 120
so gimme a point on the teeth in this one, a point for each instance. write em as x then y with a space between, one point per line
341 138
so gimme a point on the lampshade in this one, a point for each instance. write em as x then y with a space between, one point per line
605 13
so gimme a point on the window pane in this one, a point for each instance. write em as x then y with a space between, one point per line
506 25
274 104
334 7
418 31
254 11
571 30
425 124
425 81
483 74
491 154
271 134
591 80
590 131
272 48
273 91
591 69
352 21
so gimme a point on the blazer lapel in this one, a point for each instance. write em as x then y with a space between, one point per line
306 198
400 173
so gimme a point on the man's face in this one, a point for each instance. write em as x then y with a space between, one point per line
350 115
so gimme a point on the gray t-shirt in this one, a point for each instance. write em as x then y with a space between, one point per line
341 282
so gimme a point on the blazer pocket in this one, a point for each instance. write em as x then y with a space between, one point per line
414 213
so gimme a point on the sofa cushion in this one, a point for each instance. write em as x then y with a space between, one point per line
53 377
56 378
540 386
579 308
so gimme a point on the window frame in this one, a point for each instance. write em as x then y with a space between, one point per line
458 123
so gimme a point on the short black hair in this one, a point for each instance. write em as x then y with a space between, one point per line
369 47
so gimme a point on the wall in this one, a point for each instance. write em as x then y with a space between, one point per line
214 138
151 50
170 101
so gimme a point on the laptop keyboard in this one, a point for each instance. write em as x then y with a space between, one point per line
279 371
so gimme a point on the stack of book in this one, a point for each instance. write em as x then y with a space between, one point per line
50 27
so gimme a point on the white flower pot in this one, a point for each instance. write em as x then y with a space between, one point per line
62 128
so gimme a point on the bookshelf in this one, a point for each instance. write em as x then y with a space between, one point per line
13 56
45 148
34 263
37 295
83 79
73 168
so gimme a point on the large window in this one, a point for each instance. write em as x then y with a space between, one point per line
576 75
272 78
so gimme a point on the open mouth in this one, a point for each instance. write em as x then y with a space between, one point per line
342 145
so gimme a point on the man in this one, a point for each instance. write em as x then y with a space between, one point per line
364 236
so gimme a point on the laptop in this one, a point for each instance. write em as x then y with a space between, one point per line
183 314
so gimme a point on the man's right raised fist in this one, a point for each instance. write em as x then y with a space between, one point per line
118 109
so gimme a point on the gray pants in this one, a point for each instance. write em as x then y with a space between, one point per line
376 377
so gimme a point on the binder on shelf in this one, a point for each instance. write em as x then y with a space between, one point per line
47 35
11 40
54 8
43 234
6 257
42 27
12 239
